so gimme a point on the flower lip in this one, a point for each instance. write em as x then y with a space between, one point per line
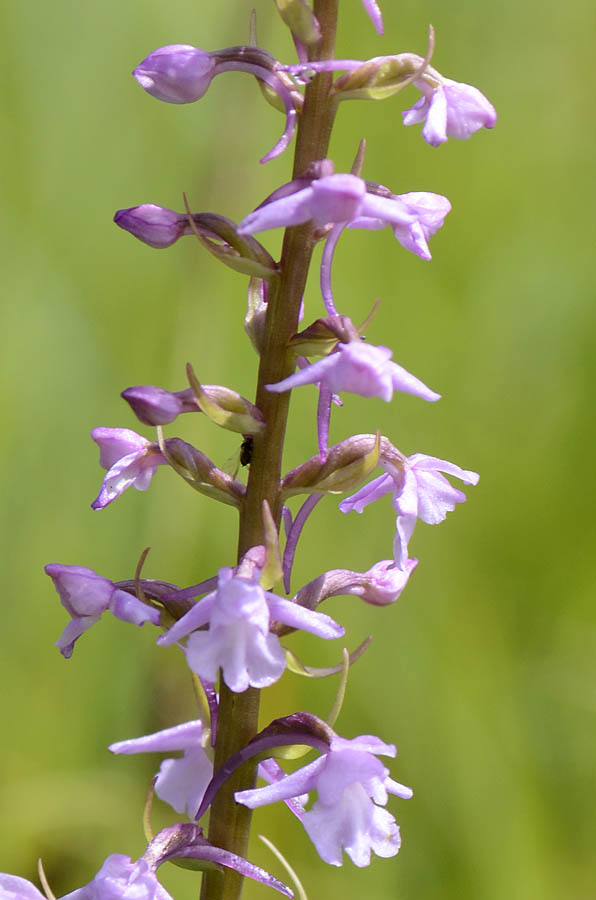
239 615
449 109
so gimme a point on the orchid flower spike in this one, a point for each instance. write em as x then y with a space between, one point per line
181 73
352 787
240 614
180 782
131 460
449 109
359 368
86 595
419 490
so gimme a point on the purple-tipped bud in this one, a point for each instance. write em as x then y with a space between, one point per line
154 225
177 73
156 406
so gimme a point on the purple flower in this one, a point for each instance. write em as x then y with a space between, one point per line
420 491
180 782
121 879
14 888
154 225
352 787
238 641
449 109
130 460
337 198
177 73
361 369
428 211
85 595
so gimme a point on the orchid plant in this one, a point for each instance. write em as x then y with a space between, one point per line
230 628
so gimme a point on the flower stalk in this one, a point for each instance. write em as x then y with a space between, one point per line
230 821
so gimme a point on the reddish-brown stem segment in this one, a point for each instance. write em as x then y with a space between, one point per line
238 717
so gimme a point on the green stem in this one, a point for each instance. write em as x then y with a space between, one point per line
238 713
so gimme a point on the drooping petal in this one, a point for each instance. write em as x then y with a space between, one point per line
128 608
182 782
391 210
399 790
291 210
404 528
434 130
312 374
372 8
180 737
72 633
299 782
306 619
195 618
135 470
14 888
372 491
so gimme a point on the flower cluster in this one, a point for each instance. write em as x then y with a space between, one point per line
234 628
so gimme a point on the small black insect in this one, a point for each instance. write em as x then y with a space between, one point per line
246 448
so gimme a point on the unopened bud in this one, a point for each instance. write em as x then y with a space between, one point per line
156 406
154 225
177 73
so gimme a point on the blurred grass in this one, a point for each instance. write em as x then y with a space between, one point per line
484 671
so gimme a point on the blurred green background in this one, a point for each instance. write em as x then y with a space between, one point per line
484 671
